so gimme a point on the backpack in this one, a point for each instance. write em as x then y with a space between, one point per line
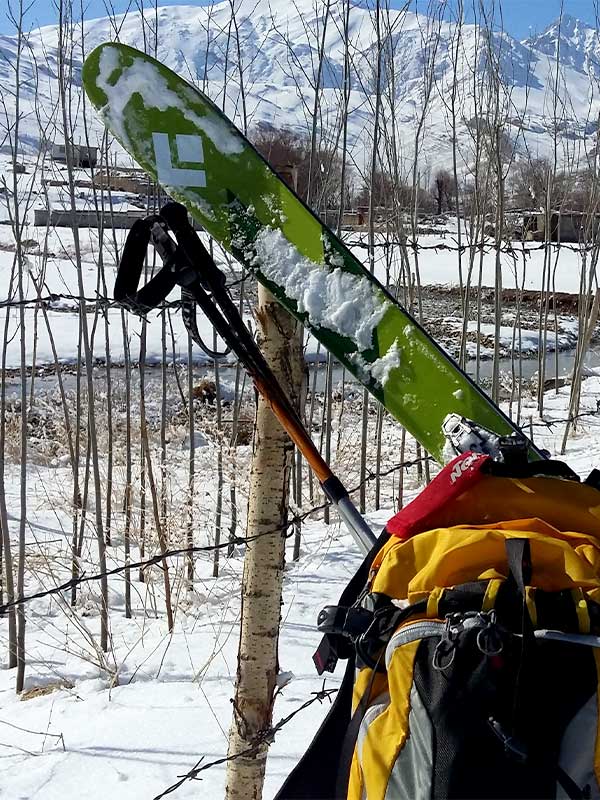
472 634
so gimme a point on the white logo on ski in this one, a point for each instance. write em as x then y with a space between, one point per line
189 150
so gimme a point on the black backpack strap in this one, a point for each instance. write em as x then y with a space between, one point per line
351 737
520 567
333 647
518 554
315 777
543 468
323 772
570 788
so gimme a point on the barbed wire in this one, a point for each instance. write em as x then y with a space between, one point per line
232 541
491 247
263 737
105 302
98 299
507 247
550 423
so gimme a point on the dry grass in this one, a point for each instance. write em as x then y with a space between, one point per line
40 691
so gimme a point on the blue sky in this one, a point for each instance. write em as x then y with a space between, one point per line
520 16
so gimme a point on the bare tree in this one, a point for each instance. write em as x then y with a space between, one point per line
64 81
17 214
258 667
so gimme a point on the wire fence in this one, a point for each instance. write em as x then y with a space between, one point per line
98 299
284 529
232 541
491 247
263 737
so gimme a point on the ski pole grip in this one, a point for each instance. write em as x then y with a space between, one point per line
176 217
130 270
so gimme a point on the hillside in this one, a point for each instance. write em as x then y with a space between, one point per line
278 48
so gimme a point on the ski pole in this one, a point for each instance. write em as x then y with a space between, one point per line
187 263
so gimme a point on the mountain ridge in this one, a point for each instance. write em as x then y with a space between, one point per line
278 48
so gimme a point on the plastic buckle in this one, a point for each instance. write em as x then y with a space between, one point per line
343 621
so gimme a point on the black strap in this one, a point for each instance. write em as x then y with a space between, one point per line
593 479
332 647
518 552
316 774
569 786
179 269
131 267
542 468
351 737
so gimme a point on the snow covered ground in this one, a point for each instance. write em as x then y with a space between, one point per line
127 724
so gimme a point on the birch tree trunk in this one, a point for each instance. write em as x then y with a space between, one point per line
263 566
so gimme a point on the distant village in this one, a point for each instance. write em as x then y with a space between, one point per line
520 223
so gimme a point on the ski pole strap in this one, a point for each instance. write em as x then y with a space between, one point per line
177 270
131 267
193 250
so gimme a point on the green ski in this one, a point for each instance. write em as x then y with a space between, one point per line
189 146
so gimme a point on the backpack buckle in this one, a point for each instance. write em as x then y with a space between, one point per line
489 639
343 621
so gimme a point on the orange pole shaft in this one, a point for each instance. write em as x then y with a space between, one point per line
296 431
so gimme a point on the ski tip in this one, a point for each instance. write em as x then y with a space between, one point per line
89 75
102 63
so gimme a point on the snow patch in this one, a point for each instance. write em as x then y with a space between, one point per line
203 206
344 303
283 679
378 370
143 78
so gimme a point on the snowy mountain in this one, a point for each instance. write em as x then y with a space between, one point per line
272 47
578 44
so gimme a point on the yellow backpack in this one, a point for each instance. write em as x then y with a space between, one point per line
472 638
